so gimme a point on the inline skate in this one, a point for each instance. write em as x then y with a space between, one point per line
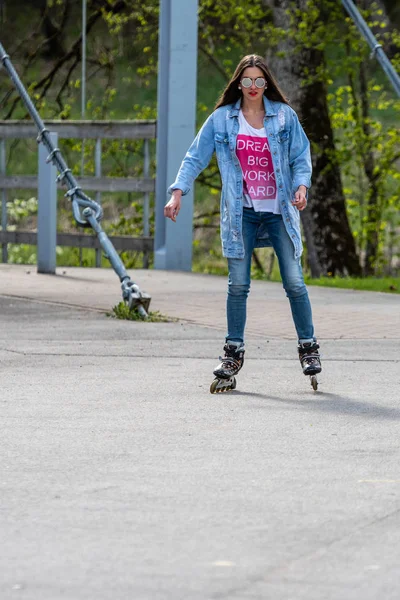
310 361
230 365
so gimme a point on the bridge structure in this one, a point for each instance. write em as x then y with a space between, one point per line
173 131
172 243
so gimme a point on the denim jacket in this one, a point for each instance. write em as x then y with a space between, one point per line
290 151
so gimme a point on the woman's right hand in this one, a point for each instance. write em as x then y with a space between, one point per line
173 206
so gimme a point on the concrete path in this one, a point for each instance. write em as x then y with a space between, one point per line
200 299
122 477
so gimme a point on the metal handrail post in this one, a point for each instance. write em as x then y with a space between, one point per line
47 213
97 172
146 201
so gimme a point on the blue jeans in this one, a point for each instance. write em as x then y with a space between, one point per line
255 227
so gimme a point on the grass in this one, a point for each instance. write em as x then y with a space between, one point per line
372 284
123 312
389 285
213 263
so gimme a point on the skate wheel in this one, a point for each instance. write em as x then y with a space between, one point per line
314 382
222 385
213 386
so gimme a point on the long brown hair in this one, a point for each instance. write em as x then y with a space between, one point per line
231 93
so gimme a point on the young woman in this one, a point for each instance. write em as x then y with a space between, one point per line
264 160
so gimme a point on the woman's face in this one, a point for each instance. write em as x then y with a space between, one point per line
252 93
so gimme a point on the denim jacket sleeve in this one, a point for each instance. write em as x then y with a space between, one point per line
196 159
299 155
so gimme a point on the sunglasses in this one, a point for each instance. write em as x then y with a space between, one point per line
259 82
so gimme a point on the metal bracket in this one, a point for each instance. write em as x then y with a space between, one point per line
134 298
374 50
72 191
41 134
52 155
61 176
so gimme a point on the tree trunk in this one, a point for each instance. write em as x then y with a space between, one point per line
373 217
53 44
330 243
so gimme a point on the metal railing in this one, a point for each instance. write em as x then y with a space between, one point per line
83 130
376 47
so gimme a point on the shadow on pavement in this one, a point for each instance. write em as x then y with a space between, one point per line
328 402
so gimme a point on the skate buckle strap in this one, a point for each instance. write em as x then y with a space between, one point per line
229 362
310 360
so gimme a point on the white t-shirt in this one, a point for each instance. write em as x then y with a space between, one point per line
254 154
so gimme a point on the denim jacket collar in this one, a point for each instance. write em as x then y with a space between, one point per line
270 108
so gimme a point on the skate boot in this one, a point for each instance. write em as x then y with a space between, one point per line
229 366
310 361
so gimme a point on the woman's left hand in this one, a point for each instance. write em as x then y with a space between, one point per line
300 200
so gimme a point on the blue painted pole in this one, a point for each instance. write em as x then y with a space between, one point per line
176 125
47 211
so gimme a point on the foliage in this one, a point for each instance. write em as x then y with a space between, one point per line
363 110
21 254
118 33
368 148
21 209
122 311
372 284
361 139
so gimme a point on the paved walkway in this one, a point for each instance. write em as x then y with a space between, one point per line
122 477
200 299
